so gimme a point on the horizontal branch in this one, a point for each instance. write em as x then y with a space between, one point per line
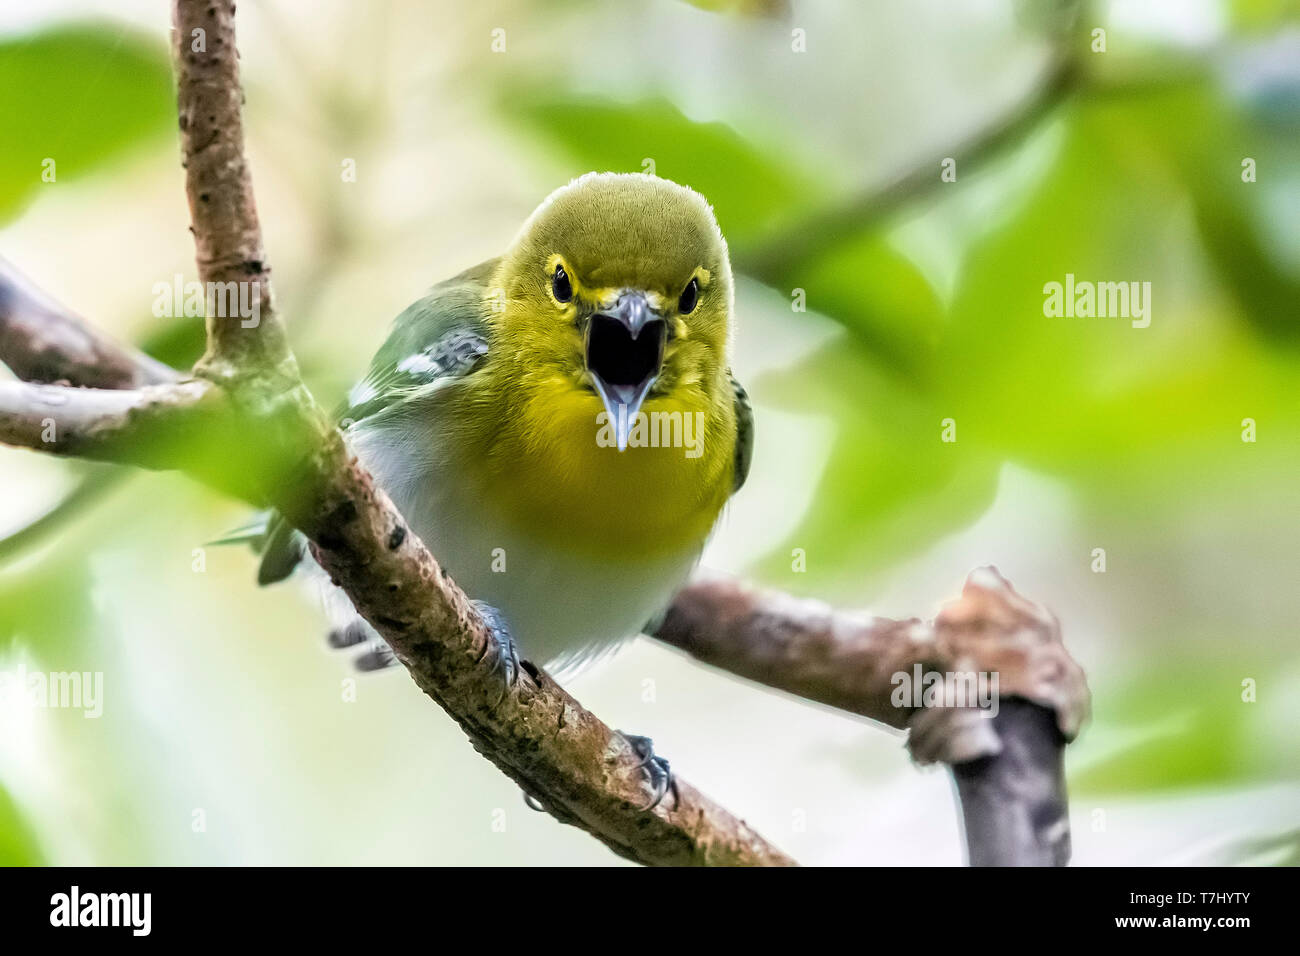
1007 759
850 661
802 647
129 426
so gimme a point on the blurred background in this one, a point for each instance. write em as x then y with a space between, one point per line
875 301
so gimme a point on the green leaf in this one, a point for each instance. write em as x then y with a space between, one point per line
73 98
774 9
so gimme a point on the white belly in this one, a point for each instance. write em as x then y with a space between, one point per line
563 609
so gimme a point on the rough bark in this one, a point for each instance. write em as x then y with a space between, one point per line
1013 801
42 342
1007 763
849 661
227 235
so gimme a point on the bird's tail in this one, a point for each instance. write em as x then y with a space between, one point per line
280 545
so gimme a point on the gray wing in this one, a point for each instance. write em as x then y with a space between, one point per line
744 434
440 337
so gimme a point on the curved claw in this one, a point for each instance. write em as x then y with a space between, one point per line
505 660
656 768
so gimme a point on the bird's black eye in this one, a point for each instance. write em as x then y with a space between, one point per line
690 295
561 286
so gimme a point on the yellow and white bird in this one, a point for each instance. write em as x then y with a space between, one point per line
560 424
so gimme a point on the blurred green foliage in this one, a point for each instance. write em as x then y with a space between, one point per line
26 597
1257 15
80 95
1184 727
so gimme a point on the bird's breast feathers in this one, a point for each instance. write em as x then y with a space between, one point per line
554 471
576 542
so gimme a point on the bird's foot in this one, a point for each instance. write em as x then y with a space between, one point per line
502 651
374 656
350 635
658 774
379 657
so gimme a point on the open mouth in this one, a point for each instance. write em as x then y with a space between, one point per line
620 359
625 353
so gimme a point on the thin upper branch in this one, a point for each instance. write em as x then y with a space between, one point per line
793 246
227 236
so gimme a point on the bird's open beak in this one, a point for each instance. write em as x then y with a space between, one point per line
625 353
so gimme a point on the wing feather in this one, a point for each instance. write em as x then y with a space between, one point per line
744 434
438 338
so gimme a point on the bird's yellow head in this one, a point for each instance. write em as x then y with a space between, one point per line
619 288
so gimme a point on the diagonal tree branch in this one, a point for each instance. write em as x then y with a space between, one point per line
41 342
576 767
